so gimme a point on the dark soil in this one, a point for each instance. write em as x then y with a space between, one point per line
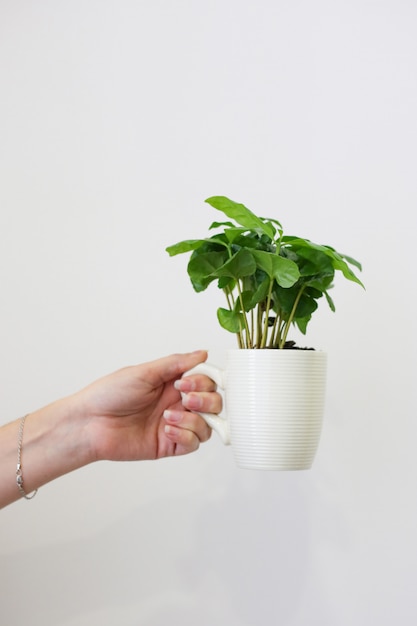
290 345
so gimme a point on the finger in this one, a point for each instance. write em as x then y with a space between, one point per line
172 367
187 421
206 402
185 440
195 382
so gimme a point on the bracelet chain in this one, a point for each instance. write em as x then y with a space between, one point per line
19 471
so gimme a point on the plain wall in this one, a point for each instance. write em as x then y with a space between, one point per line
117 119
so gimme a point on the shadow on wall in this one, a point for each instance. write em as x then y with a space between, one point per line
231 557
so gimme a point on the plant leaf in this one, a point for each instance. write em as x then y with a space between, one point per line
338 261
352 261
261 292
202 266
229 320
330 301
313 262
244 301
302 323
285 271
226 282
251 241
241 214
232 234
184 246
342 266
240 265
218 224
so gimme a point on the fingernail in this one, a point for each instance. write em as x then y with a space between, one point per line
172 416
184 384
192 401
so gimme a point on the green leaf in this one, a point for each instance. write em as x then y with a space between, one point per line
321 282
184 246
245 301
302 323
240 265
341 265
261 292
330 302
306 306
284 299
226 282
252 242
190 245
241 214
313 262
218 224
276 222
232 234
352 261
337 260
285 271
229 320
201 267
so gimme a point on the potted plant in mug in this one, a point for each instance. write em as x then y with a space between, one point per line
271 281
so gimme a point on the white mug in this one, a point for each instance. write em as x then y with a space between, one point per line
273 406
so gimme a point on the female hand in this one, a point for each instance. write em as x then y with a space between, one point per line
137 412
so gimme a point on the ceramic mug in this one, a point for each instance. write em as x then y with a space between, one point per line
273 406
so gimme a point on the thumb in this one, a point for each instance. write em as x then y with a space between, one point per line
172 367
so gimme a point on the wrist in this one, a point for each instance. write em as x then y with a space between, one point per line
53 442
47 444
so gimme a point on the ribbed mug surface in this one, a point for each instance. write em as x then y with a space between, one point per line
274 402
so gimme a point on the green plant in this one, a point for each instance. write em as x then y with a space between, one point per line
270 280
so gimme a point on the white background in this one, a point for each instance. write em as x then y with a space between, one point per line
117 119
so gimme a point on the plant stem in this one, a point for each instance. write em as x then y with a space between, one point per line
231 303
291 317
268 306
257 339
252 327
248 337
273 331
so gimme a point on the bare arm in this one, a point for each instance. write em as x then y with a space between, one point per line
133 414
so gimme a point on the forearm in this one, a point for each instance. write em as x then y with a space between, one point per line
130 415
53 445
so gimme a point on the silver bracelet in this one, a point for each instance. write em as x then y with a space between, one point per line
19 471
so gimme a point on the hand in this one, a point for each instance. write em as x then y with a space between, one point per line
137 413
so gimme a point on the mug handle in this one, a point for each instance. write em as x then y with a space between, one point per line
218 423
